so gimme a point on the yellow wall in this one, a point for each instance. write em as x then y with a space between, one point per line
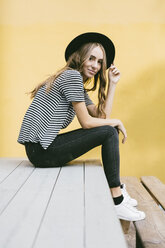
33 38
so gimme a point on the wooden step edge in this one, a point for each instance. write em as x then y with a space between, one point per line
154 220
125 226
85 161
148 183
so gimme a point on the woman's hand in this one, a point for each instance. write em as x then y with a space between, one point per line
121 127
113 74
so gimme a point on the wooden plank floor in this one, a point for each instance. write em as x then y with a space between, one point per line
152 228
156 189
67 207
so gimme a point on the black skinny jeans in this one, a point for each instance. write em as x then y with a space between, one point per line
71 145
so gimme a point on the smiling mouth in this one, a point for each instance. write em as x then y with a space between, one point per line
92 72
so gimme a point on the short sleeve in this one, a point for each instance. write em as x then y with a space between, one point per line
88 101
71 86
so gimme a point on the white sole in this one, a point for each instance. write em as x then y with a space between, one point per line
135 219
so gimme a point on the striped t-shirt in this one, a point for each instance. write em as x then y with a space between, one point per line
50 112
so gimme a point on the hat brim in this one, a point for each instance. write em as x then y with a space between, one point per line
84 38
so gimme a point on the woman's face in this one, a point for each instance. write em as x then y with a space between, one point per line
93 64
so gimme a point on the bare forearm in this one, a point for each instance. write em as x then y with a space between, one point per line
87 121
109 99
97 122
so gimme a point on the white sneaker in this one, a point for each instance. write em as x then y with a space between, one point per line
126 212
127 197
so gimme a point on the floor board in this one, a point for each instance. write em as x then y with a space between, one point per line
62 207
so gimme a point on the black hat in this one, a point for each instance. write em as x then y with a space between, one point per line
84 38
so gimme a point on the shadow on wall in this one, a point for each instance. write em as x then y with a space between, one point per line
142 112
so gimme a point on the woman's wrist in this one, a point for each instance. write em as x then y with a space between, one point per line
111 86
114 122
111 82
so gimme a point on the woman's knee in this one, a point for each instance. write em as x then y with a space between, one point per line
111 131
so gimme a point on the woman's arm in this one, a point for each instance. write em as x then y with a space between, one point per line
109 99
87 121
92 110
113 78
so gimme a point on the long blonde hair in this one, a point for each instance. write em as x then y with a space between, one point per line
76 62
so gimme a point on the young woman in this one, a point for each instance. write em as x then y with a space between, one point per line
60 97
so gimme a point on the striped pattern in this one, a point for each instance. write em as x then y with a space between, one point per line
50 112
